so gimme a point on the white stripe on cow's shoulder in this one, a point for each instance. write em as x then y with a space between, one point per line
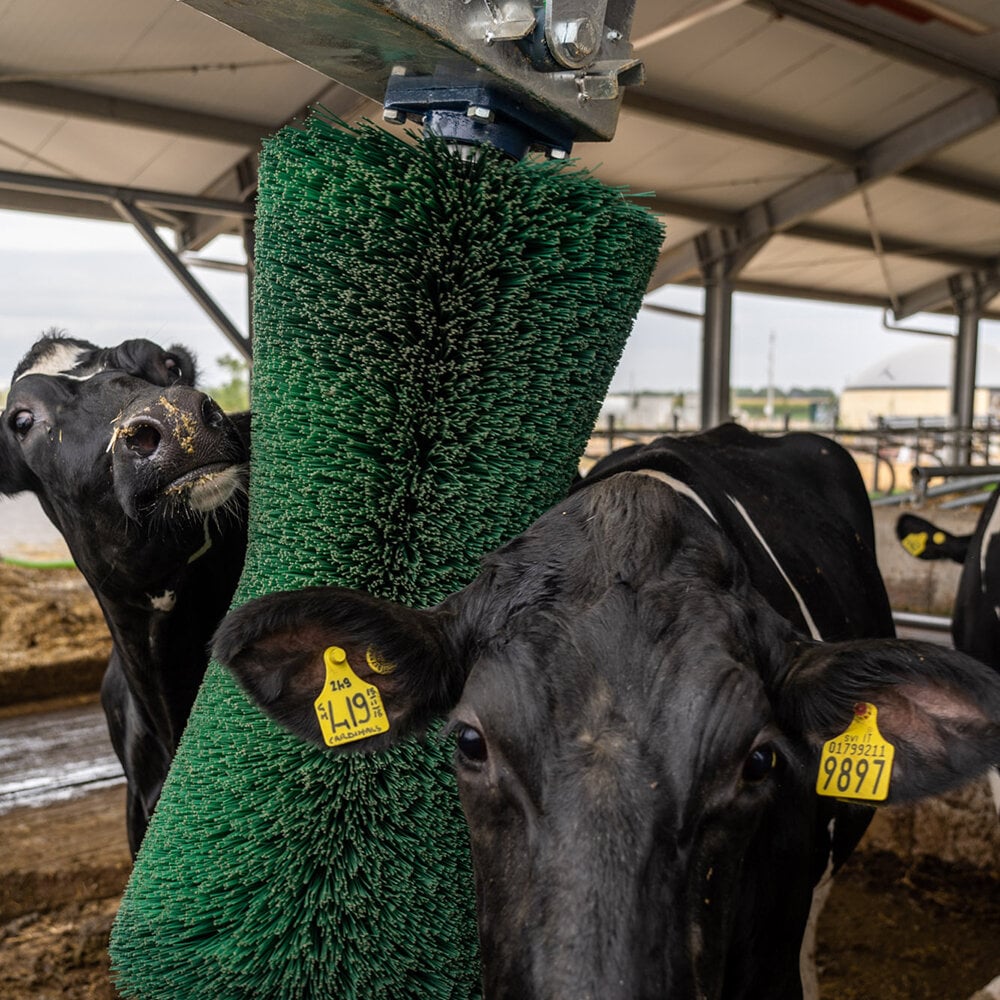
677 485
813 631
58 361
992 527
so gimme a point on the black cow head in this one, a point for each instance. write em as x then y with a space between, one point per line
638 738
116 443
925 540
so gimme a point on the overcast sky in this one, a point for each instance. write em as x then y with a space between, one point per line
101 282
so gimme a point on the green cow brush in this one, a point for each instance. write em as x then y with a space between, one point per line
434 337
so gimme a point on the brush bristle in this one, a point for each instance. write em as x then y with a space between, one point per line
433 340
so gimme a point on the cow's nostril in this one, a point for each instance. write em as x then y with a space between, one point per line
143 438
211 413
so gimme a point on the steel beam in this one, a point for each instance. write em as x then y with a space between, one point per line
947 293
883 158
963 383
131 213
110 193
739 125
573 82
67 101
871 37
644 101
716 346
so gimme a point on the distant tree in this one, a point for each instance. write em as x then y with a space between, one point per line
233 395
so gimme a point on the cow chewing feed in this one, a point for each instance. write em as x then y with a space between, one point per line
145 477
642 687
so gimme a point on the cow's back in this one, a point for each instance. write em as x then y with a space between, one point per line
796 508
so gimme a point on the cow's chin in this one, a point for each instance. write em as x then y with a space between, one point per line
207 489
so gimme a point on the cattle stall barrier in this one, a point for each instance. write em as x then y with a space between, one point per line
885 453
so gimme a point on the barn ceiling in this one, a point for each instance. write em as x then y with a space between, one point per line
839 149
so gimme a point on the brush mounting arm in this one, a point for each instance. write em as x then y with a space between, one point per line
565 62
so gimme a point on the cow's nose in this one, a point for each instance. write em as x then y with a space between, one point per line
142 437
212 413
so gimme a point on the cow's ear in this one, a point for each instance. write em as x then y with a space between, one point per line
341 668
938 709
927 541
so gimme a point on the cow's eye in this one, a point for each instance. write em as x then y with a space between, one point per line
761 762
23 421
174 370
470 745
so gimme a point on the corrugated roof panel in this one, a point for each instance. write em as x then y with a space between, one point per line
977 157
187 165
113 154
702 165
790 74
23 133
51 38
907 210
826 267
679 230
964 45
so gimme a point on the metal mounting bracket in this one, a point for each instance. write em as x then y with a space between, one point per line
564 62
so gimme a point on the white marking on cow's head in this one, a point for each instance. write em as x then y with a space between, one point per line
213 489
165 602
60 359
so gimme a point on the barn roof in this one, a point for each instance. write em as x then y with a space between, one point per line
925 366
839 149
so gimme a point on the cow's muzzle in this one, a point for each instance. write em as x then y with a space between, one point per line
175 447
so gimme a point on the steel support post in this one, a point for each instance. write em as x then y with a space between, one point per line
716 345
145 228
963 388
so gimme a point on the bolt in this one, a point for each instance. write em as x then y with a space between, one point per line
613 35
479 113
393 116
578 37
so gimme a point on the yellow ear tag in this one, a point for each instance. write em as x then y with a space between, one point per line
348 709
857 764
938 537
915 543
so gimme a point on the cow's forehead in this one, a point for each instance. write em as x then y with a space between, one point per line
60 357
589 723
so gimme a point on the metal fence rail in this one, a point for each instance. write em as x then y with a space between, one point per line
887 454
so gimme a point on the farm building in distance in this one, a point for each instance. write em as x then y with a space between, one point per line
915 384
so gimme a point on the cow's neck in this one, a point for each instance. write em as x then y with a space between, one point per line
161 631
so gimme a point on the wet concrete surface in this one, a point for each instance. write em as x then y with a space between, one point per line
53 756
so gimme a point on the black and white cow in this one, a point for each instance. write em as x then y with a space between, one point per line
975 619
641 686
145 477
976 616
